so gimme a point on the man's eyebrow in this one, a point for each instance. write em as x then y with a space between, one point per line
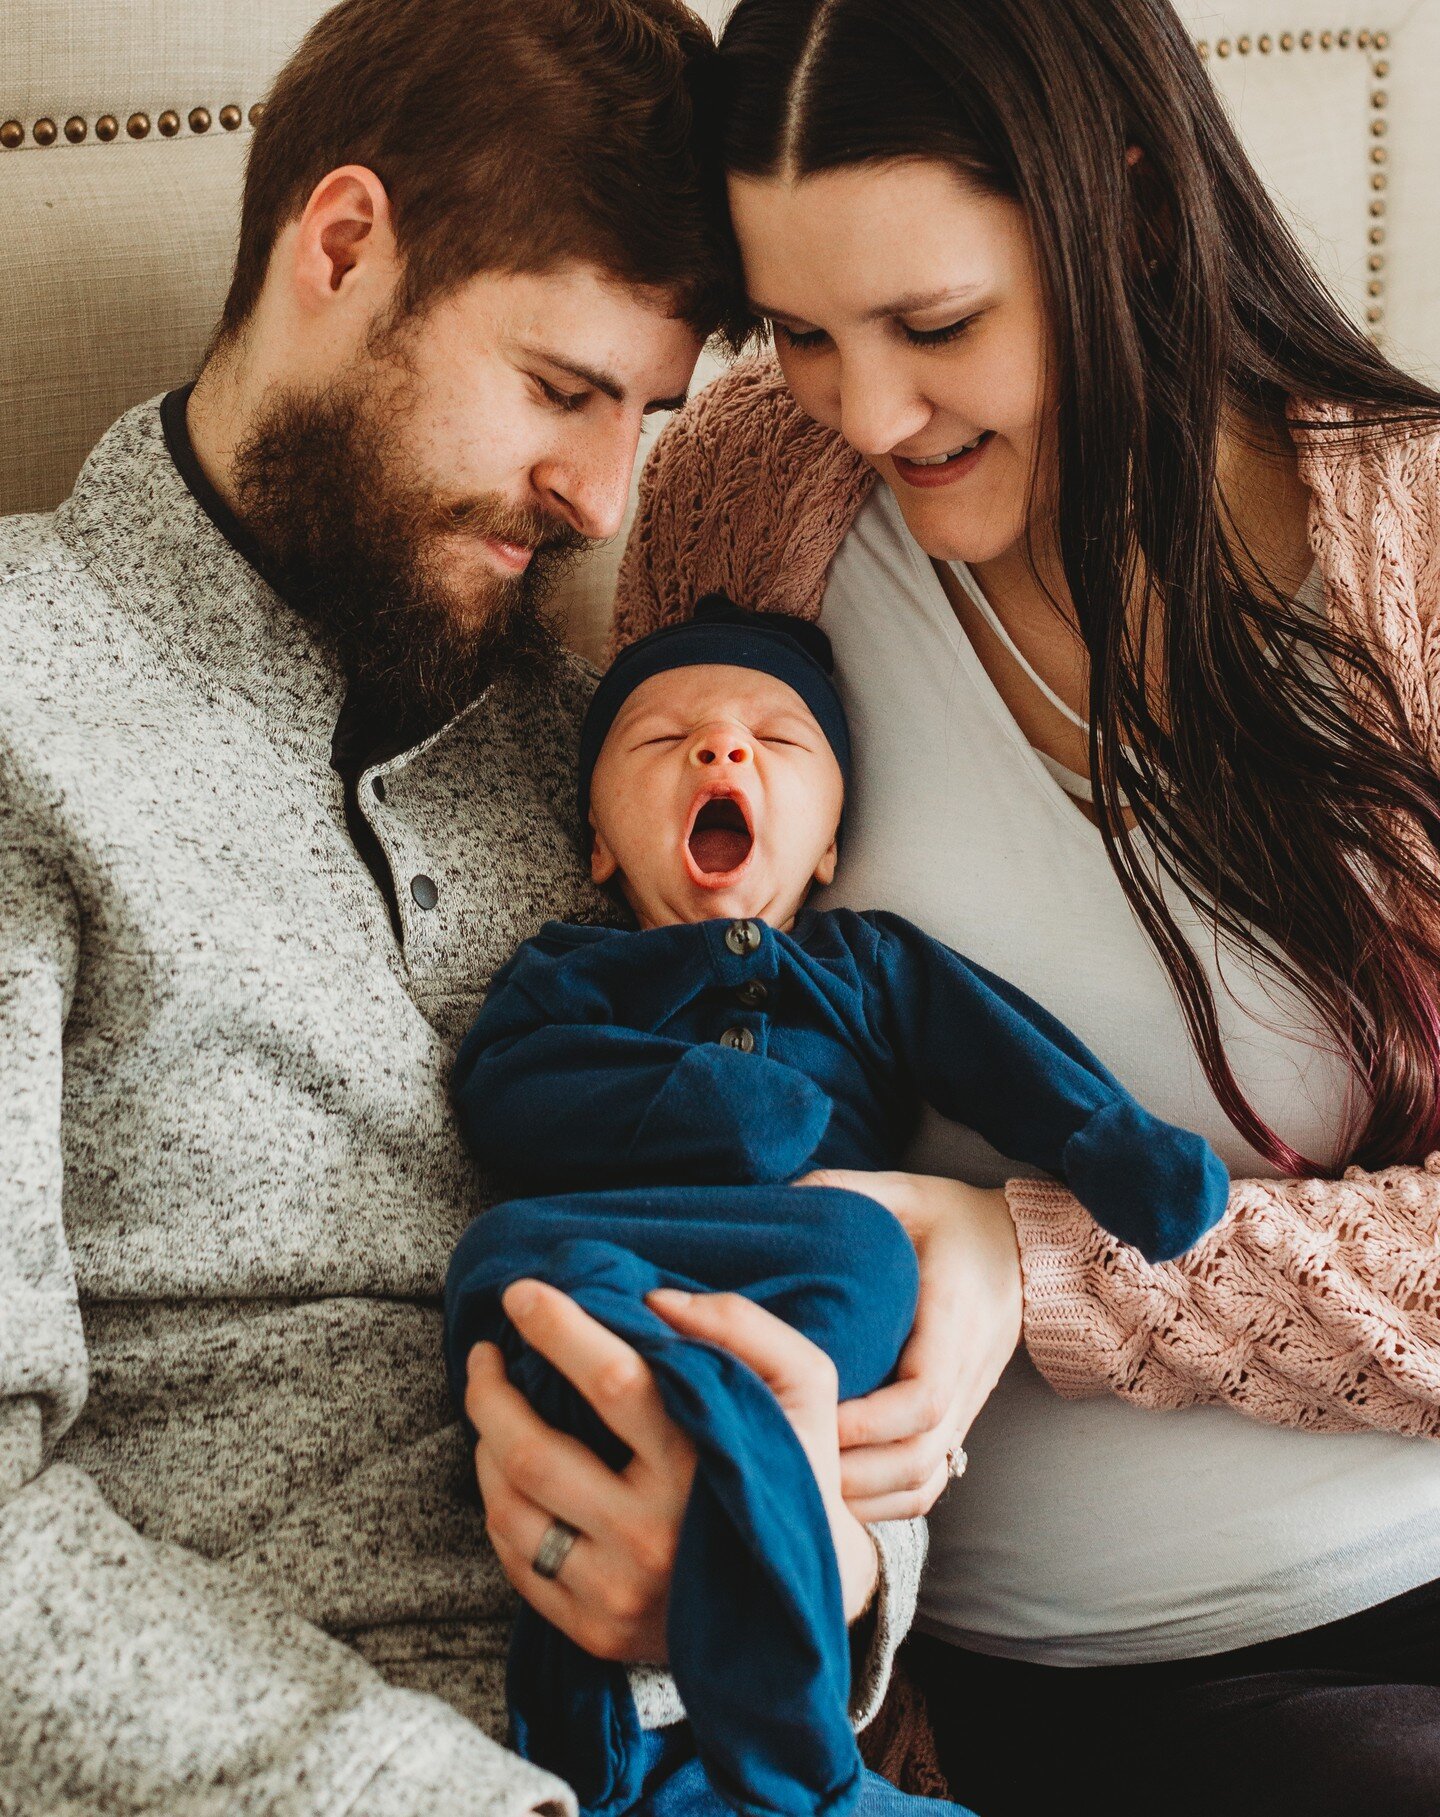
597 380
912 304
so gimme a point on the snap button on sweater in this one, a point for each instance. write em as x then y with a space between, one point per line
423 889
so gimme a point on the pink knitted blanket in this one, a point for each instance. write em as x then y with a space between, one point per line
1315 1303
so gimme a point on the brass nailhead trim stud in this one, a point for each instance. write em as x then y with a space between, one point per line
1328 39
107 127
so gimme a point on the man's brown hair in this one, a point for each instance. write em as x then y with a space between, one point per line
510 135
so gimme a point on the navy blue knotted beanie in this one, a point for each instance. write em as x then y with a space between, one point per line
791 649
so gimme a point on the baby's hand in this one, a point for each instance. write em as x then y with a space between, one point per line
894 1443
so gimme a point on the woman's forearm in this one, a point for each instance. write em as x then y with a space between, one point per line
1314 1304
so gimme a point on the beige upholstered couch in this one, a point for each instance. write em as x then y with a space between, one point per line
123 126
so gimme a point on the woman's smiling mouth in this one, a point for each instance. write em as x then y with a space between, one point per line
720 839
942 470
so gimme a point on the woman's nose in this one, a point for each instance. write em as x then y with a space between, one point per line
880 409
719 745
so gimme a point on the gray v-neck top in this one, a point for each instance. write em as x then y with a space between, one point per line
1092 1532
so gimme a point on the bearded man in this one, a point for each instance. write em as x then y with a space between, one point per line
286 770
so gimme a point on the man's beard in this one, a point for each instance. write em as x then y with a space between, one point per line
355 540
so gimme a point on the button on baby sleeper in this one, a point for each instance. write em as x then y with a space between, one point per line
742 937
740 1038
753 994
423 889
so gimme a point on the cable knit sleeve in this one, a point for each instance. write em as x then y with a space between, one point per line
742 493
1315 1304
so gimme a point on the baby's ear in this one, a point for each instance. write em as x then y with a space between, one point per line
602 860
825 870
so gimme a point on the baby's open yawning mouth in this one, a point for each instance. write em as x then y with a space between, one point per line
720 838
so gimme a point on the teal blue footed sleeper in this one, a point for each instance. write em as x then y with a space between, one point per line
653 1093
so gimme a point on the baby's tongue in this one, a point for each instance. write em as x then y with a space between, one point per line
719 848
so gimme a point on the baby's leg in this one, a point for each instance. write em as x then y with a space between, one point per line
758 1645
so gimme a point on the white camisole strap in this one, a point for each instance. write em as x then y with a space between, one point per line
988 613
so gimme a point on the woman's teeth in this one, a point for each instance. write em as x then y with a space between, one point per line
939 460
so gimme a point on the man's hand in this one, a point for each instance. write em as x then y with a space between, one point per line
894 1441
612 1592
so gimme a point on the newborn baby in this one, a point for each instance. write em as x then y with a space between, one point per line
654 1089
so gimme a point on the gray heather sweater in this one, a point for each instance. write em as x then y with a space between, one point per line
242 1566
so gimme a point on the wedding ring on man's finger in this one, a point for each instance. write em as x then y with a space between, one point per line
559 1537
956 1461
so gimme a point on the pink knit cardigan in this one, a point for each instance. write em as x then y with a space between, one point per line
1315 1303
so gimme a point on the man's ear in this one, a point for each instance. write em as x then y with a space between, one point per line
345 238
825 870
603 865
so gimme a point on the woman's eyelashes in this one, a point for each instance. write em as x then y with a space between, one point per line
807 338
936 337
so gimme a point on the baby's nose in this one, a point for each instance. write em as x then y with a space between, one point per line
719 745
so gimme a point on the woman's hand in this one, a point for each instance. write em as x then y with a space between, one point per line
894 1441
612 1592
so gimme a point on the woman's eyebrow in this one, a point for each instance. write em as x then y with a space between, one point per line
917 302
912 304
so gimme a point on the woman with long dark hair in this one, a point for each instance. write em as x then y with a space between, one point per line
1129 545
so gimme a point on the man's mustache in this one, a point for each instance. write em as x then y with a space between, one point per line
531 529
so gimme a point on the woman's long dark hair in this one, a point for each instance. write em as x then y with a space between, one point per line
1301 824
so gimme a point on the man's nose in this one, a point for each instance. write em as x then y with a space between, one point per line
717 746
588 482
